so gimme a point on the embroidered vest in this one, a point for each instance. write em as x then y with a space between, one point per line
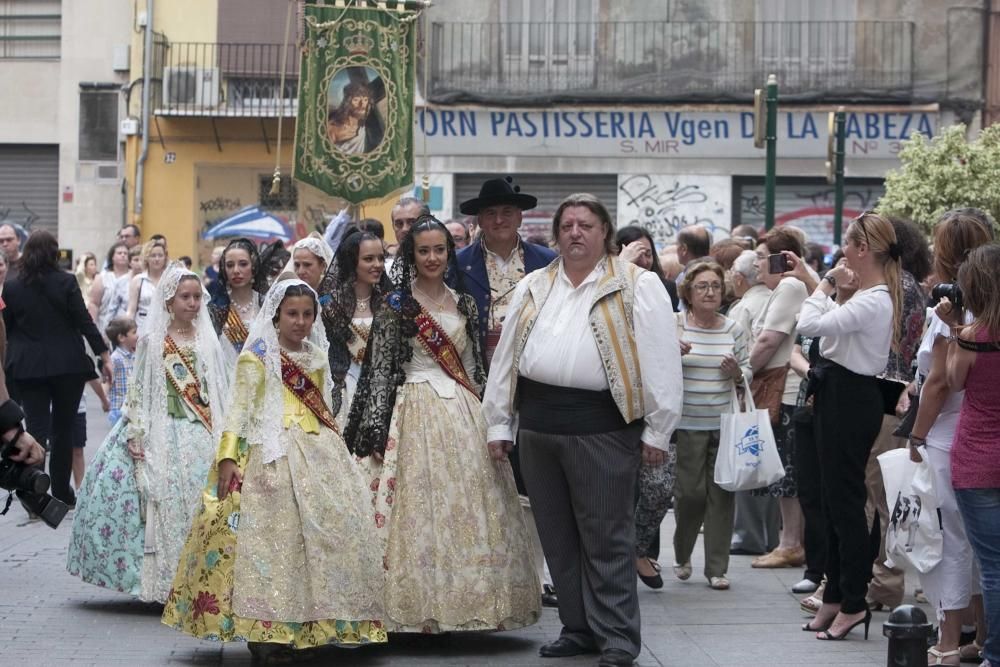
611 323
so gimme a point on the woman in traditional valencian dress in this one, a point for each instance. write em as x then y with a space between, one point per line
457 555
278 554
355 283
239 290
144 485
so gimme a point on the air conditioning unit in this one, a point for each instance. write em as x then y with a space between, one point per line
191 86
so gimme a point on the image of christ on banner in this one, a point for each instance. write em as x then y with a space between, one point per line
354 135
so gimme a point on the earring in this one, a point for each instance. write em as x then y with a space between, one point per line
171 314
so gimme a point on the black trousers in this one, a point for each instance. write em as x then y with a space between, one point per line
50 406
810 495
847 419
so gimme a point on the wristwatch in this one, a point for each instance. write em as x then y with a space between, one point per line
830 279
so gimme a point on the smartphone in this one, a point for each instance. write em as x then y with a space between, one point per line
776 263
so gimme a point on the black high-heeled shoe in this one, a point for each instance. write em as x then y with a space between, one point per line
828 636
806 628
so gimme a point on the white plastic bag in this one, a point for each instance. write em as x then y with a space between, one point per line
913 537
748 457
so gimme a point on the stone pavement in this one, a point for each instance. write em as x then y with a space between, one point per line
48 618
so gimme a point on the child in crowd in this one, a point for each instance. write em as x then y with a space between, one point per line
80 430
124 337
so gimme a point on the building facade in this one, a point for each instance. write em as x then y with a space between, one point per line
646 104
64 71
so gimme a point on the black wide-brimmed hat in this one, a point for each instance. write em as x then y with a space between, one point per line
498 191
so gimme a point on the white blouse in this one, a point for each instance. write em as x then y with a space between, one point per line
857 334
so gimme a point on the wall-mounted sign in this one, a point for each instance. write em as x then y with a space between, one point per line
658 133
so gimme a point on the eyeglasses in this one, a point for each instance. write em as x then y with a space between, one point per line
703 288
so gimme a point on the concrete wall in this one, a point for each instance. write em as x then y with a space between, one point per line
90 209
29 106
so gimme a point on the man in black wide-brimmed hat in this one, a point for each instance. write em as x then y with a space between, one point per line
496 262
491 267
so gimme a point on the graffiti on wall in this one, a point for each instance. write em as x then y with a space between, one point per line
810 208
20 216
666 203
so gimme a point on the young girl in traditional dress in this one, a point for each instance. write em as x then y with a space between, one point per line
278 554
143 486
239 290
355 283
457 555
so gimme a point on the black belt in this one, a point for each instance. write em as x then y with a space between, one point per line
547 408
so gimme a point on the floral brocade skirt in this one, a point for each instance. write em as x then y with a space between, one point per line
457 553
125 536
284 560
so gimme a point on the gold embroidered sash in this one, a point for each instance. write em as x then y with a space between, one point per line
361 331
235 330
184 379
297 380
437 343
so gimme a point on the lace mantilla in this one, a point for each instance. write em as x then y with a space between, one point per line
258 417
390 347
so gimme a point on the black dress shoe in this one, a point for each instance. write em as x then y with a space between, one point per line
549 598
563 648
615 657
655 581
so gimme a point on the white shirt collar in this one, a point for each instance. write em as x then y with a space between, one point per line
592 277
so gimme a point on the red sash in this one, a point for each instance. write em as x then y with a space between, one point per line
184 379
437 343
299 383
235 330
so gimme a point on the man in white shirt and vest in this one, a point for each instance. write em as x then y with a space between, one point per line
587 375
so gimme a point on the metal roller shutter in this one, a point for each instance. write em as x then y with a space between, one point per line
805 203
29 186
550 189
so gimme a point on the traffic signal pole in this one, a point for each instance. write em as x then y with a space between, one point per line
772 141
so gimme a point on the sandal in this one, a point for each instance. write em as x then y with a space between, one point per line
970 652
939 657
718 583
683 572
811 604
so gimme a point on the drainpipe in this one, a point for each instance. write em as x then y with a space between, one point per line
147 66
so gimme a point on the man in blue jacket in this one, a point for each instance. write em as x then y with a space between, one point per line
496 262
491 268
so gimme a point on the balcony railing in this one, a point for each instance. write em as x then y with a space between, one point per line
207 79
670 61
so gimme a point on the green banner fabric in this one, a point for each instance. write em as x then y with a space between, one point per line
354 135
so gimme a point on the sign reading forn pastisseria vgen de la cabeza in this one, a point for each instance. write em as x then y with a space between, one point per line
354 136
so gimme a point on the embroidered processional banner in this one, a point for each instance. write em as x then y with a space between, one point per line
354 135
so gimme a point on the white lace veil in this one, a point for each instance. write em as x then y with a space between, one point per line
146 405
262 424
314 244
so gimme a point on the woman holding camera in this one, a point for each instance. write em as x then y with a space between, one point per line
973 365
855 339
954 582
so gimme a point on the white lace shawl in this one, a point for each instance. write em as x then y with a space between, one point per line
261 425
314 244
146 402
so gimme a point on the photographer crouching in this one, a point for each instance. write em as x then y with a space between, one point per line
973 364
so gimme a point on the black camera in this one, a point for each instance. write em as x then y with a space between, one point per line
950 290
30 485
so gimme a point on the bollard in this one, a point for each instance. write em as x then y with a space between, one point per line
908 632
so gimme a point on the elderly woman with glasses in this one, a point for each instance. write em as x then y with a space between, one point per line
715 360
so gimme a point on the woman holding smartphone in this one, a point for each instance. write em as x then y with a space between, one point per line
855 339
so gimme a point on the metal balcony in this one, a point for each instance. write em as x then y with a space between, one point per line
652 62
223 80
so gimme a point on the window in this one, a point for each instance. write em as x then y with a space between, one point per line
30 29
287 198
99 125
800 39
543 33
